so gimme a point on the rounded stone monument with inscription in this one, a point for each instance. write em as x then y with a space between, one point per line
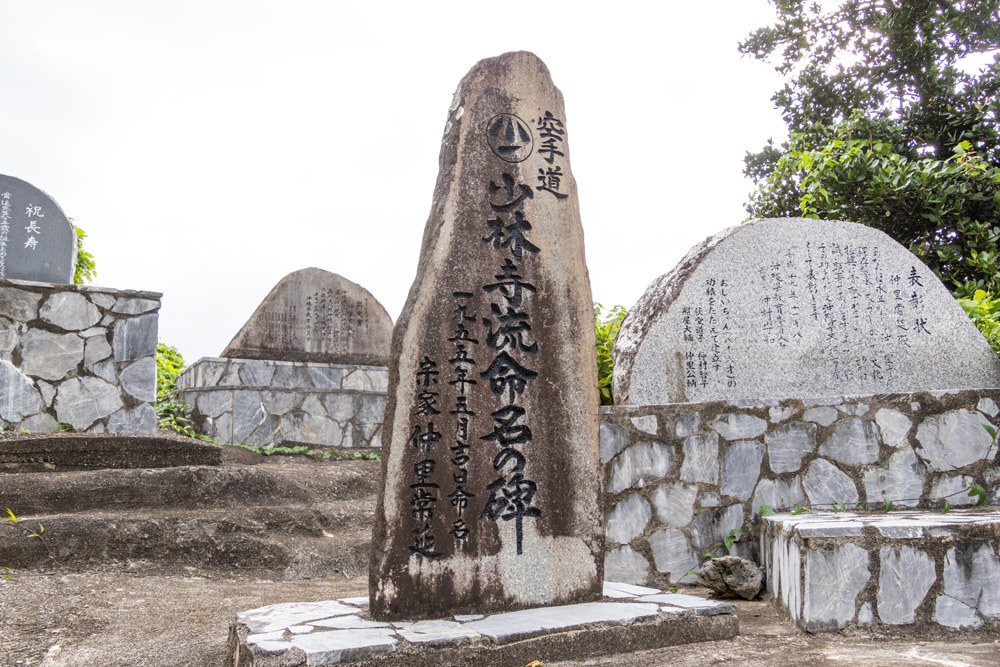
793 307
37 240
316 316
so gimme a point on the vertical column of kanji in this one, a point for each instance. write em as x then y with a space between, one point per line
491 470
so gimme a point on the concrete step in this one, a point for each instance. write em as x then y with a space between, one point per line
901 572
287 541
184 487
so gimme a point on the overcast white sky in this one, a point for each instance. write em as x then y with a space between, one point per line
210 148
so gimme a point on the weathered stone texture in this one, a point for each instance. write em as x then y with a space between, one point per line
773 309
50 331
316 316
502 298
732 575
905 575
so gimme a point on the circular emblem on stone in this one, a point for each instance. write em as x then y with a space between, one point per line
509 137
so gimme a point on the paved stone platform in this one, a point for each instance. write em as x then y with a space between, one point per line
898 572
629 618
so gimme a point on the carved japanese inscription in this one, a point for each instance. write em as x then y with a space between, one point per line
314 315
37 241
491 472
794 307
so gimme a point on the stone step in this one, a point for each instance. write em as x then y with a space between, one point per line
286 541
897 572
184 487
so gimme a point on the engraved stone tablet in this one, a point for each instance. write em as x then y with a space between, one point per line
793 307
318 316
491 496
37 241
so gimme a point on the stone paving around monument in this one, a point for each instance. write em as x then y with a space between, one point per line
336 632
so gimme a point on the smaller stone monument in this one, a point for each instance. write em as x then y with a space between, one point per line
793 307
37 241
308 368
315 315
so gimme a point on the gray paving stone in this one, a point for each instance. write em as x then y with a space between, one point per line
988 407
330 648
778 494
701 605
628 589
893 425
673 555
825 484
971 573
956 614
516 625
70 311
18 396
40 423
358 380
953 439
738 426
18 304
325 377
833 579
135 338
955 489
709 528
741 468
901 480
97 348
905 575
342 407
701 459
50 355
709 499
82 401
854 442
134 306
778 415
313 406
438 632
141 419
254 373
139 379
641 463
646 424
787 445
674 503
626 565
687 423
277 617
628 519
824 416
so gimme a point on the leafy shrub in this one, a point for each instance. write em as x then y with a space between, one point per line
170 413
985 313
86 269
606 327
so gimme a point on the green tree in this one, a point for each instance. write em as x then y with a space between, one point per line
86 269
606 327
886 128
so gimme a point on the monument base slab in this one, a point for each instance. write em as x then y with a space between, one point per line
897 572
629 618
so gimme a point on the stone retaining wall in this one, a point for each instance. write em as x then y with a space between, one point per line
679 478
77 355
286 403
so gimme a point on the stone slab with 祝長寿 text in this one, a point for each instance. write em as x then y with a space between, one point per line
491 471
794 307
37 241
316 316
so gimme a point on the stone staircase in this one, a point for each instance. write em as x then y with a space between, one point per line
279 517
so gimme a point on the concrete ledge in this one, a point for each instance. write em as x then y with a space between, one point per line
631 618
900 572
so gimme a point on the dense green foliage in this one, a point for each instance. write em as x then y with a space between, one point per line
985 312
86 269
606 327
887 128
170 413
946 211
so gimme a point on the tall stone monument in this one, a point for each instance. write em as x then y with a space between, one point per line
491 496
319 316
793 307
37 241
